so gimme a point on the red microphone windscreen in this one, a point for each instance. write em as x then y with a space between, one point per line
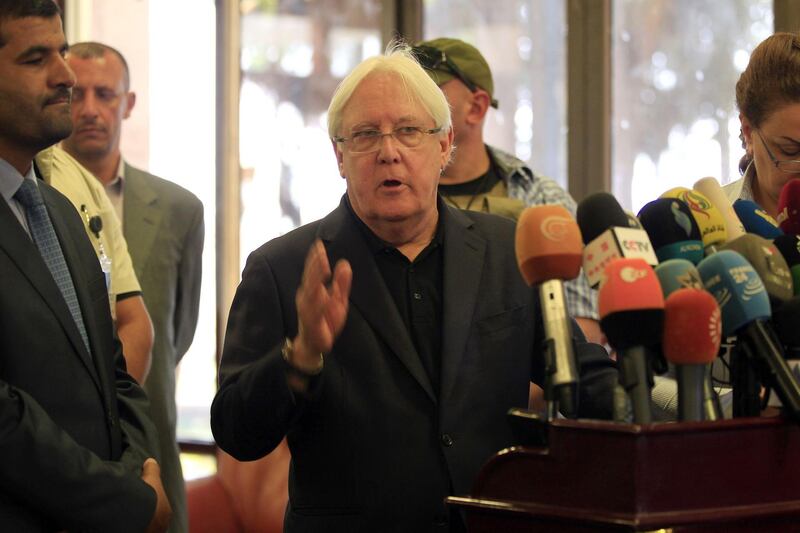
692 327
629 285
548 244
789 207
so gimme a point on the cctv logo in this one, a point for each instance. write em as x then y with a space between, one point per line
636 246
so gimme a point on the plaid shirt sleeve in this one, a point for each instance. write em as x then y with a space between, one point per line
537 190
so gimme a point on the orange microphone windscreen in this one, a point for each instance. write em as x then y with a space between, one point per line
629 285
692 327
548 244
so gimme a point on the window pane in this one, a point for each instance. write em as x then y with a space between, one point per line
294 54
182 149
675 67
524 44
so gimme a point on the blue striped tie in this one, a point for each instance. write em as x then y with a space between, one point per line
44 236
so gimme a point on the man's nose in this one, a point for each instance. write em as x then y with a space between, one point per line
61 75
88 105
387 149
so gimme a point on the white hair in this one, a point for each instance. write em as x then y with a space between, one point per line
399 60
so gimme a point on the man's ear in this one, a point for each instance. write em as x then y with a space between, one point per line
446 145
479 106
130 102
339 157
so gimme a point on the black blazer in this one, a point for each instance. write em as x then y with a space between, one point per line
373 448
73 427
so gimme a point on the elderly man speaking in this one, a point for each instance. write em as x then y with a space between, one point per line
388 340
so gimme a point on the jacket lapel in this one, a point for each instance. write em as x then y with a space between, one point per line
343 239
463 264
141 216
24 253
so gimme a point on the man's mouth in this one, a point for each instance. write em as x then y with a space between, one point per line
58 101
89 129
61 97
391 183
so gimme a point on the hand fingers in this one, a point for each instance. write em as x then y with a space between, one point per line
322 308
312 287
317 269
342 281
311 301
312 298
336 309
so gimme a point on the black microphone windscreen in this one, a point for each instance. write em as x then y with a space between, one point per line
598 212
637 327
667 221
785 319
789 247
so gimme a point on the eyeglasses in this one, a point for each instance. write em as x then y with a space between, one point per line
365 141
790 166
434 59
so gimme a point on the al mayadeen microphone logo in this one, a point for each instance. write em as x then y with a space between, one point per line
556 227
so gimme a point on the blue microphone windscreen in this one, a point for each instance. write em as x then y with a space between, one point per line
756 220
691 251
737 288
675 274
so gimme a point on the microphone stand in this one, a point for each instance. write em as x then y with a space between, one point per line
551 406
746 385
635 375
711 405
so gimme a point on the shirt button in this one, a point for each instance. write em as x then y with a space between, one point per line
417 296
447 440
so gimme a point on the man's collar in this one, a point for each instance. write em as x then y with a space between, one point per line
11 179
121 167
118 183
376 244
510 167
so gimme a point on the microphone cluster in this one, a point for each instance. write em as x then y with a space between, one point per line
693 270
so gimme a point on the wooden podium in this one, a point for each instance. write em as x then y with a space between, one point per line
731 475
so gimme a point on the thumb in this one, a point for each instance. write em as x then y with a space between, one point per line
151 468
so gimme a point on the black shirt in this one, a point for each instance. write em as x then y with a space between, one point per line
416 288
480 185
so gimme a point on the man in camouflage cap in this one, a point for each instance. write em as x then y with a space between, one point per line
483 178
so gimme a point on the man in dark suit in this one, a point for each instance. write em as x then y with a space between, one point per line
163 225
392 394
76 441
